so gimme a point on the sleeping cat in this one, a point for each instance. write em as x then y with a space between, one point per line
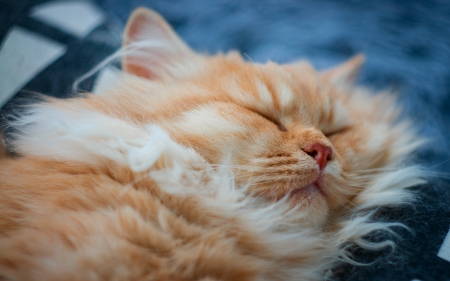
195 167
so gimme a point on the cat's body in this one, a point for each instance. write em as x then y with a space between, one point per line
190 167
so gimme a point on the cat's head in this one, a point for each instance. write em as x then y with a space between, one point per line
286 130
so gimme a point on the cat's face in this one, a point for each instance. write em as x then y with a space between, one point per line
287 131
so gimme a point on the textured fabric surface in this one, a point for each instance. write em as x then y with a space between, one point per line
81 54
407 46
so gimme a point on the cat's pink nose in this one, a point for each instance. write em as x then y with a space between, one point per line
320 152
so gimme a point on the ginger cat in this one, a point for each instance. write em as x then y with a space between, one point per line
197 167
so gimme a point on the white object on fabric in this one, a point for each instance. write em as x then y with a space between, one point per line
444 251
23 55
78 18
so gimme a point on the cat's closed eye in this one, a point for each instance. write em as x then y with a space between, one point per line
333 133
280 126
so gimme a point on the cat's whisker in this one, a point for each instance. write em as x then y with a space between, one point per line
352 204
250 59
279 53
439 164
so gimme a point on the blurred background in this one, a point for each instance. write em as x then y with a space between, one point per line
406 44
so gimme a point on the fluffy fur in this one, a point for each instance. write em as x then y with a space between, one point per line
194 167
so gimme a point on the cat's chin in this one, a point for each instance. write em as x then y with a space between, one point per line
307 195
306 191
311 201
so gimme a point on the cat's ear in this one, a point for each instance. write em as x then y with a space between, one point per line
151 48
346 72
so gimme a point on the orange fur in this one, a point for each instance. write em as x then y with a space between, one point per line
82 203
